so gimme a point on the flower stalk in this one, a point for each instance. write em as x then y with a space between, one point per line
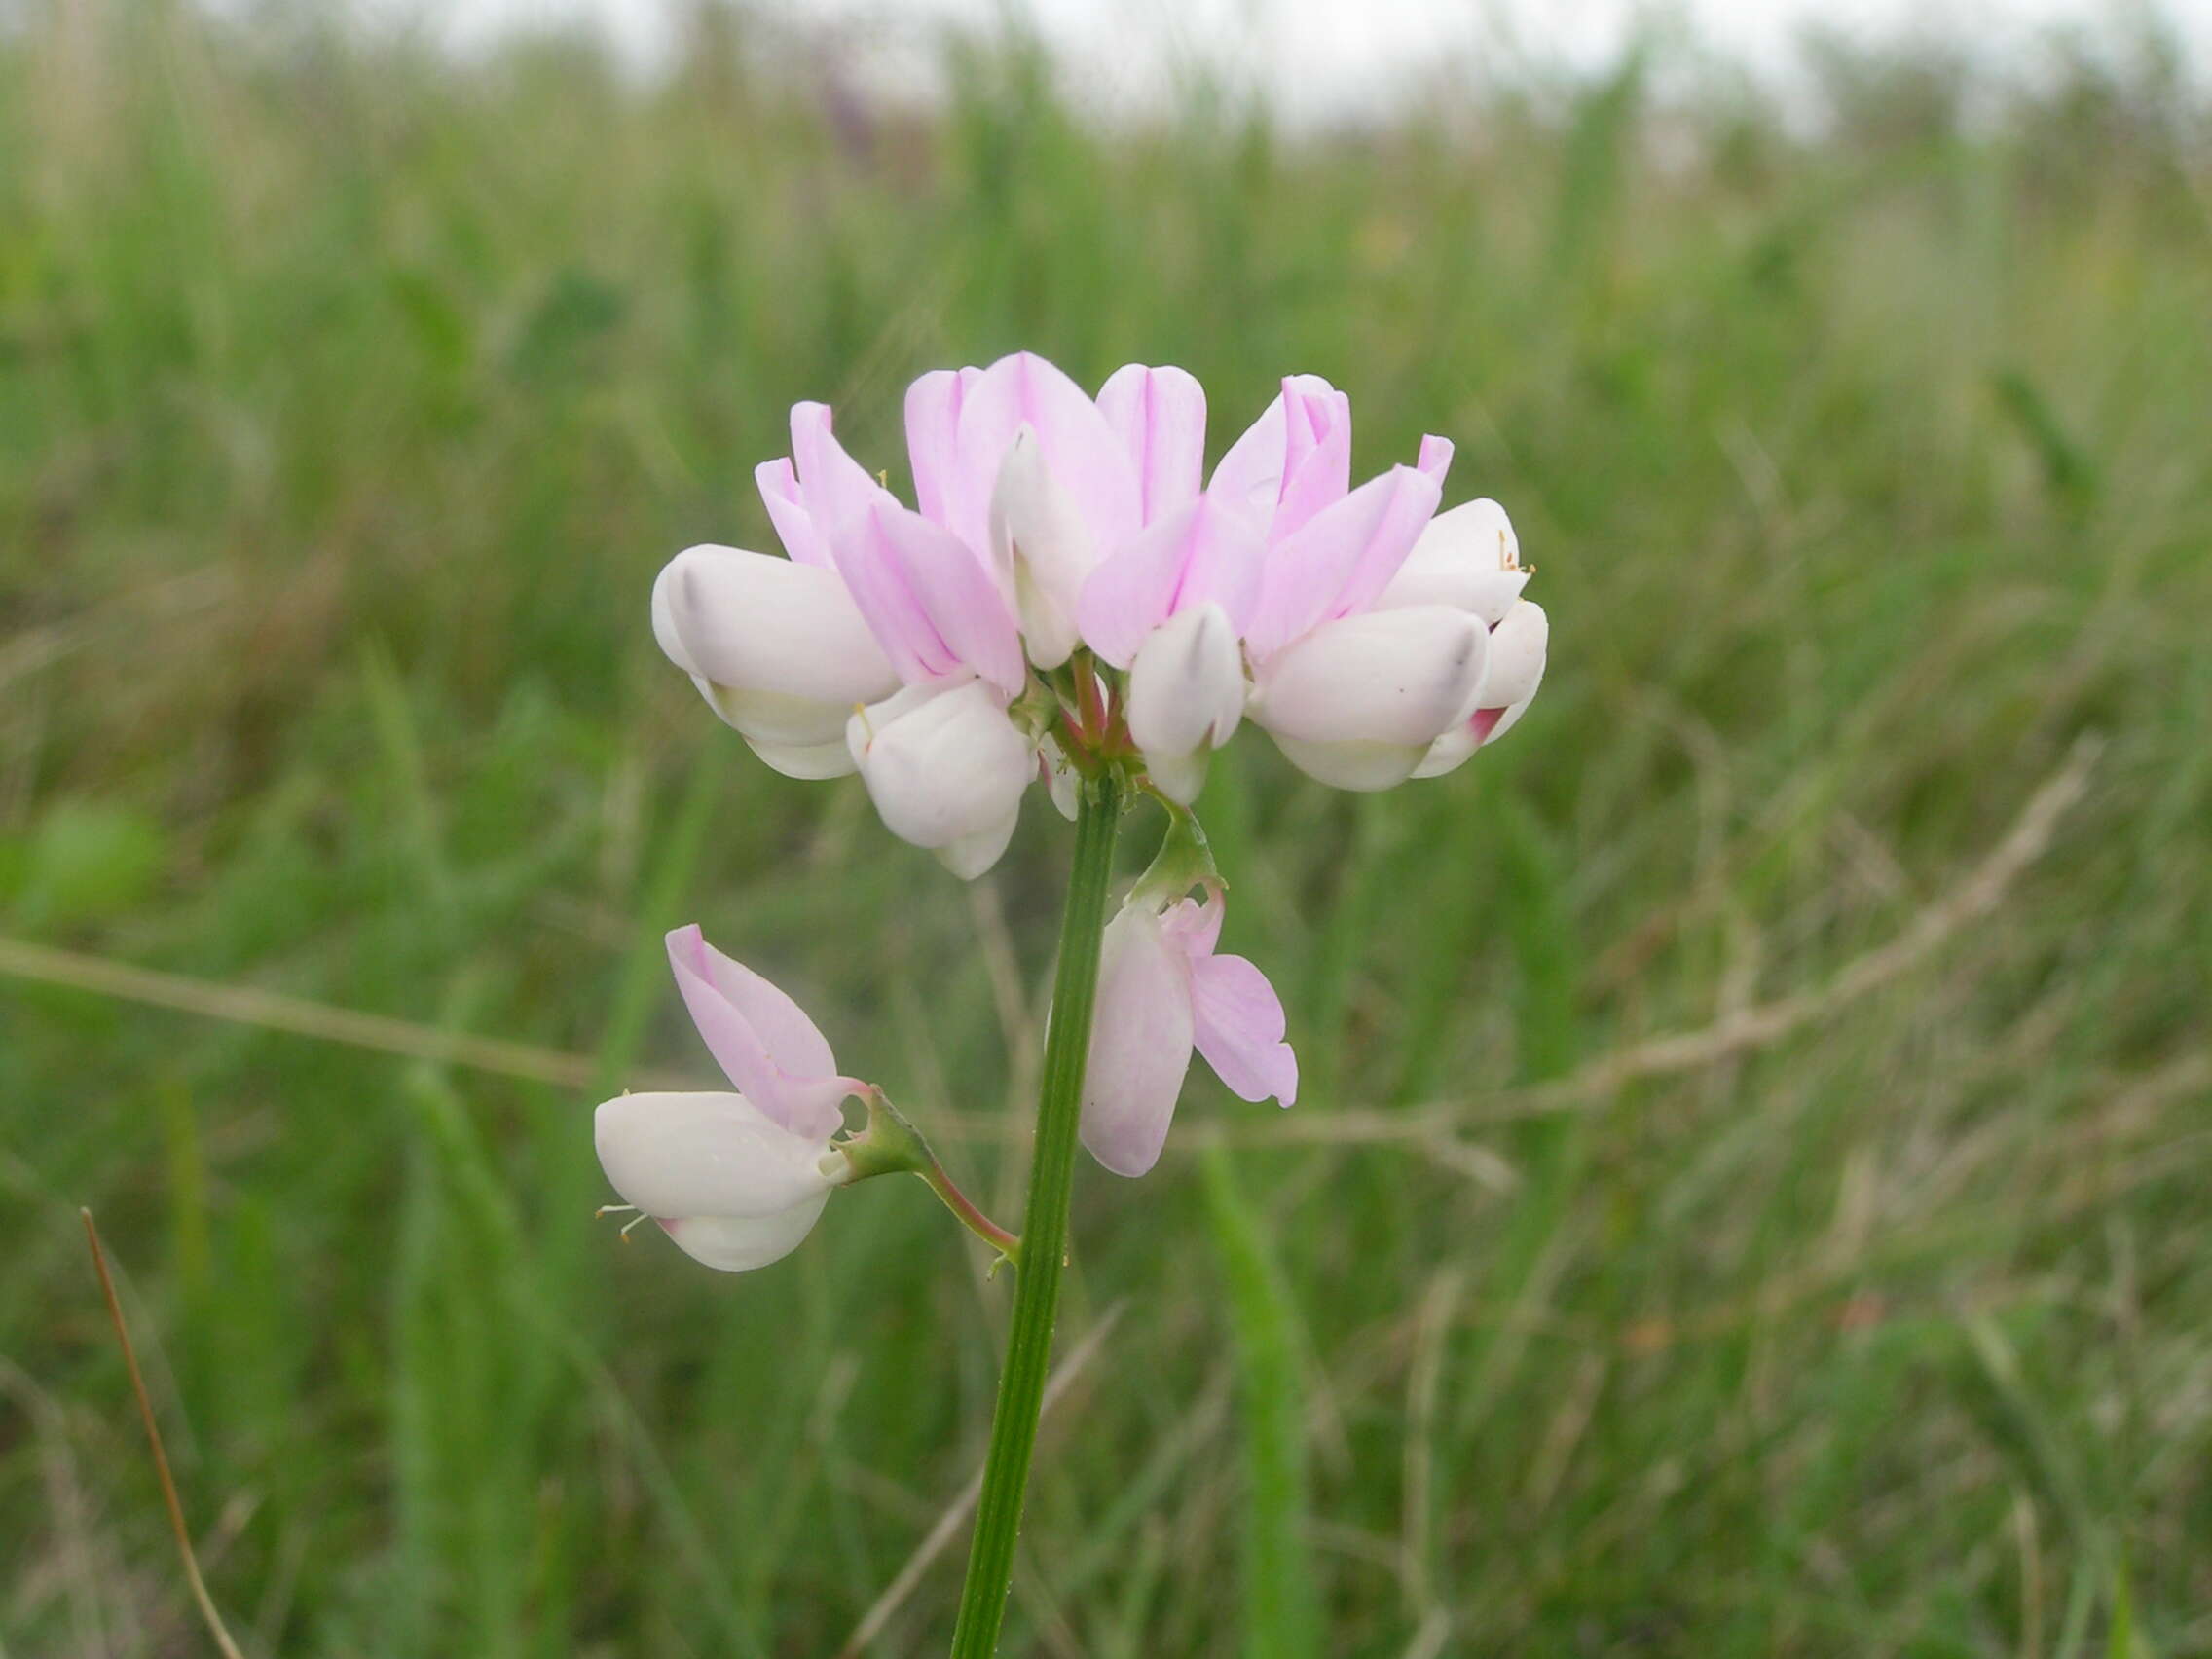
890 1144
1043 1227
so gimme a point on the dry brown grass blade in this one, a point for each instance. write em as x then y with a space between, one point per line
273 1011
947 1525
208 1612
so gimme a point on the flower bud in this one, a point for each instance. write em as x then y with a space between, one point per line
945 768
1356 703
1186 697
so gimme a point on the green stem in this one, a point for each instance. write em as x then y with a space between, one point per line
964 1210
1043 1227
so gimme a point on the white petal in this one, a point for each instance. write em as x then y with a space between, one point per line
1512 716
946 766
687 1155
1353 765
808 760
1187 685
1449 752
733 1243
1387 677
1179 777
972 854
664 624
777 718
758 624
1041 549
1517 649
1469 558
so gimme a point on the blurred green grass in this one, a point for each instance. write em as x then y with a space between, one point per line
349 399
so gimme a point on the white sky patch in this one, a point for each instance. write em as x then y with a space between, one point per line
1319 60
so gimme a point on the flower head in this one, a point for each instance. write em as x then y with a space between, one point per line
1071 592
737 1180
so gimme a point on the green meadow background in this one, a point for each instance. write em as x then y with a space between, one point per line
1750 1190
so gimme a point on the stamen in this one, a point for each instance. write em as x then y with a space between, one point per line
606 1210
634 1221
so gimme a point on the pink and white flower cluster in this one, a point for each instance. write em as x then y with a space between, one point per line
1070 597
1059 539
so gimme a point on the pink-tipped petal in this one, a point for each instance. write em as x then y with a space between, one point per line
795 528
956 592
1203 553
1237 1023
835 487
1341 558
763 1040
1435 457
1160 416
1140 1044
933 441
930 603
1316 468
1252 474
1193 928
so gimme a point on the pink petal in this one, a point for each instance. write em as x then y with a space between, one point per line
1160 416
930 603
1435 457
835 487
1255 471
1203 553
956 592
1237 1022
1193 928
1316 468
1082 452
1140 1045
932 443
1342 558
762 1040
786 502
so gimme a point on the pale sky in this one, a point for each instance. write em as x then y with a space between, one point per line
1322 57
